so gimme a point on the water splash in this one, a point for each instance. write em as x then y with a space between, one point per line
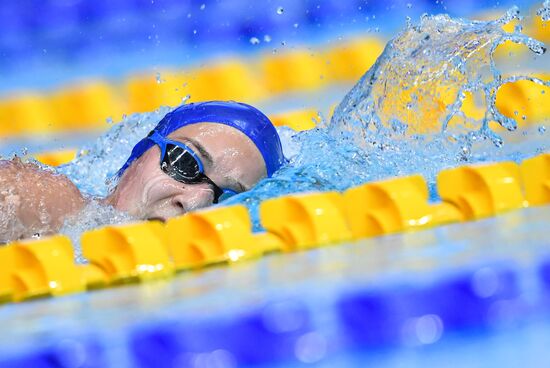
544 11
383 126
94 215
96 163
420 81
404 115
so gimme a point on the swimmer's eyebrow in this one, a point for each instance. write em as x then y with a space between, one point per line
204 153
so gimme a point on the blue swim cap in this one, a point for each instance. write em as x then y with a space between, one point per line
243 117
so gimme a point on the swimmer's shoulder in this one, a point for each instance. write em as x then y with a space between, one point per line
29 176
34 199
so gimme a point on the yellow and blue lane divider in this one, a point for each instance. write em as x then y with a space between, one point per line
148 250
88 105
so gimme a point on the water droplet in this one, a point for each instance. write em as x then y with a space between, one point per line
159 78
203 6
296 25
544 12
409 5
254 40
267 38
194 31
280 10
542 129
536 46
283 43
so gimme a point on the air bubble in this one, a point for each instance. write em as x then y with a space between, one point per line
280 10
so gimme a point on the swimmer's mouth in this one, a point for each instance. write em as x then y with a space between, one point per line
161 219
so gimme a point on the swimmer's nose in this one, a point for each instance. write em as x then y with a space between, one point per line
197 196
180 202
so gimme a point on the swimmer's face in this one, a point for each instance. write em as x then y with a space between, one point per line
230 159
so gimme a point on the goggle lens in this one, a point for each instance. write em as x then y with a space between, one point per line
180 164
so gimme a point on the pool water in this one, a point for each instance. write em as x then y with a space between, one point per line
469 294
456 292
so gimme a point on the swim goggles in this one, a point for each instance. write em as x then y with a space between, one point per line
182 164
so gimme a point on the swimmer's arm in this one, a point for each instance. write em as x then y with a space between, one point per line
34 201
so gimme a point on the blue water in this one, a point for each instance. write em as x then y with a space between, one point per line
470 294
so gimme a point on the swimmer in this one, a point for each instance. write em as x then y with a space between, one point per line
196 156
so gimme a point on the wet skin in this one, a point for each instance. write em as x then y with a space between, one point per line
34 201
